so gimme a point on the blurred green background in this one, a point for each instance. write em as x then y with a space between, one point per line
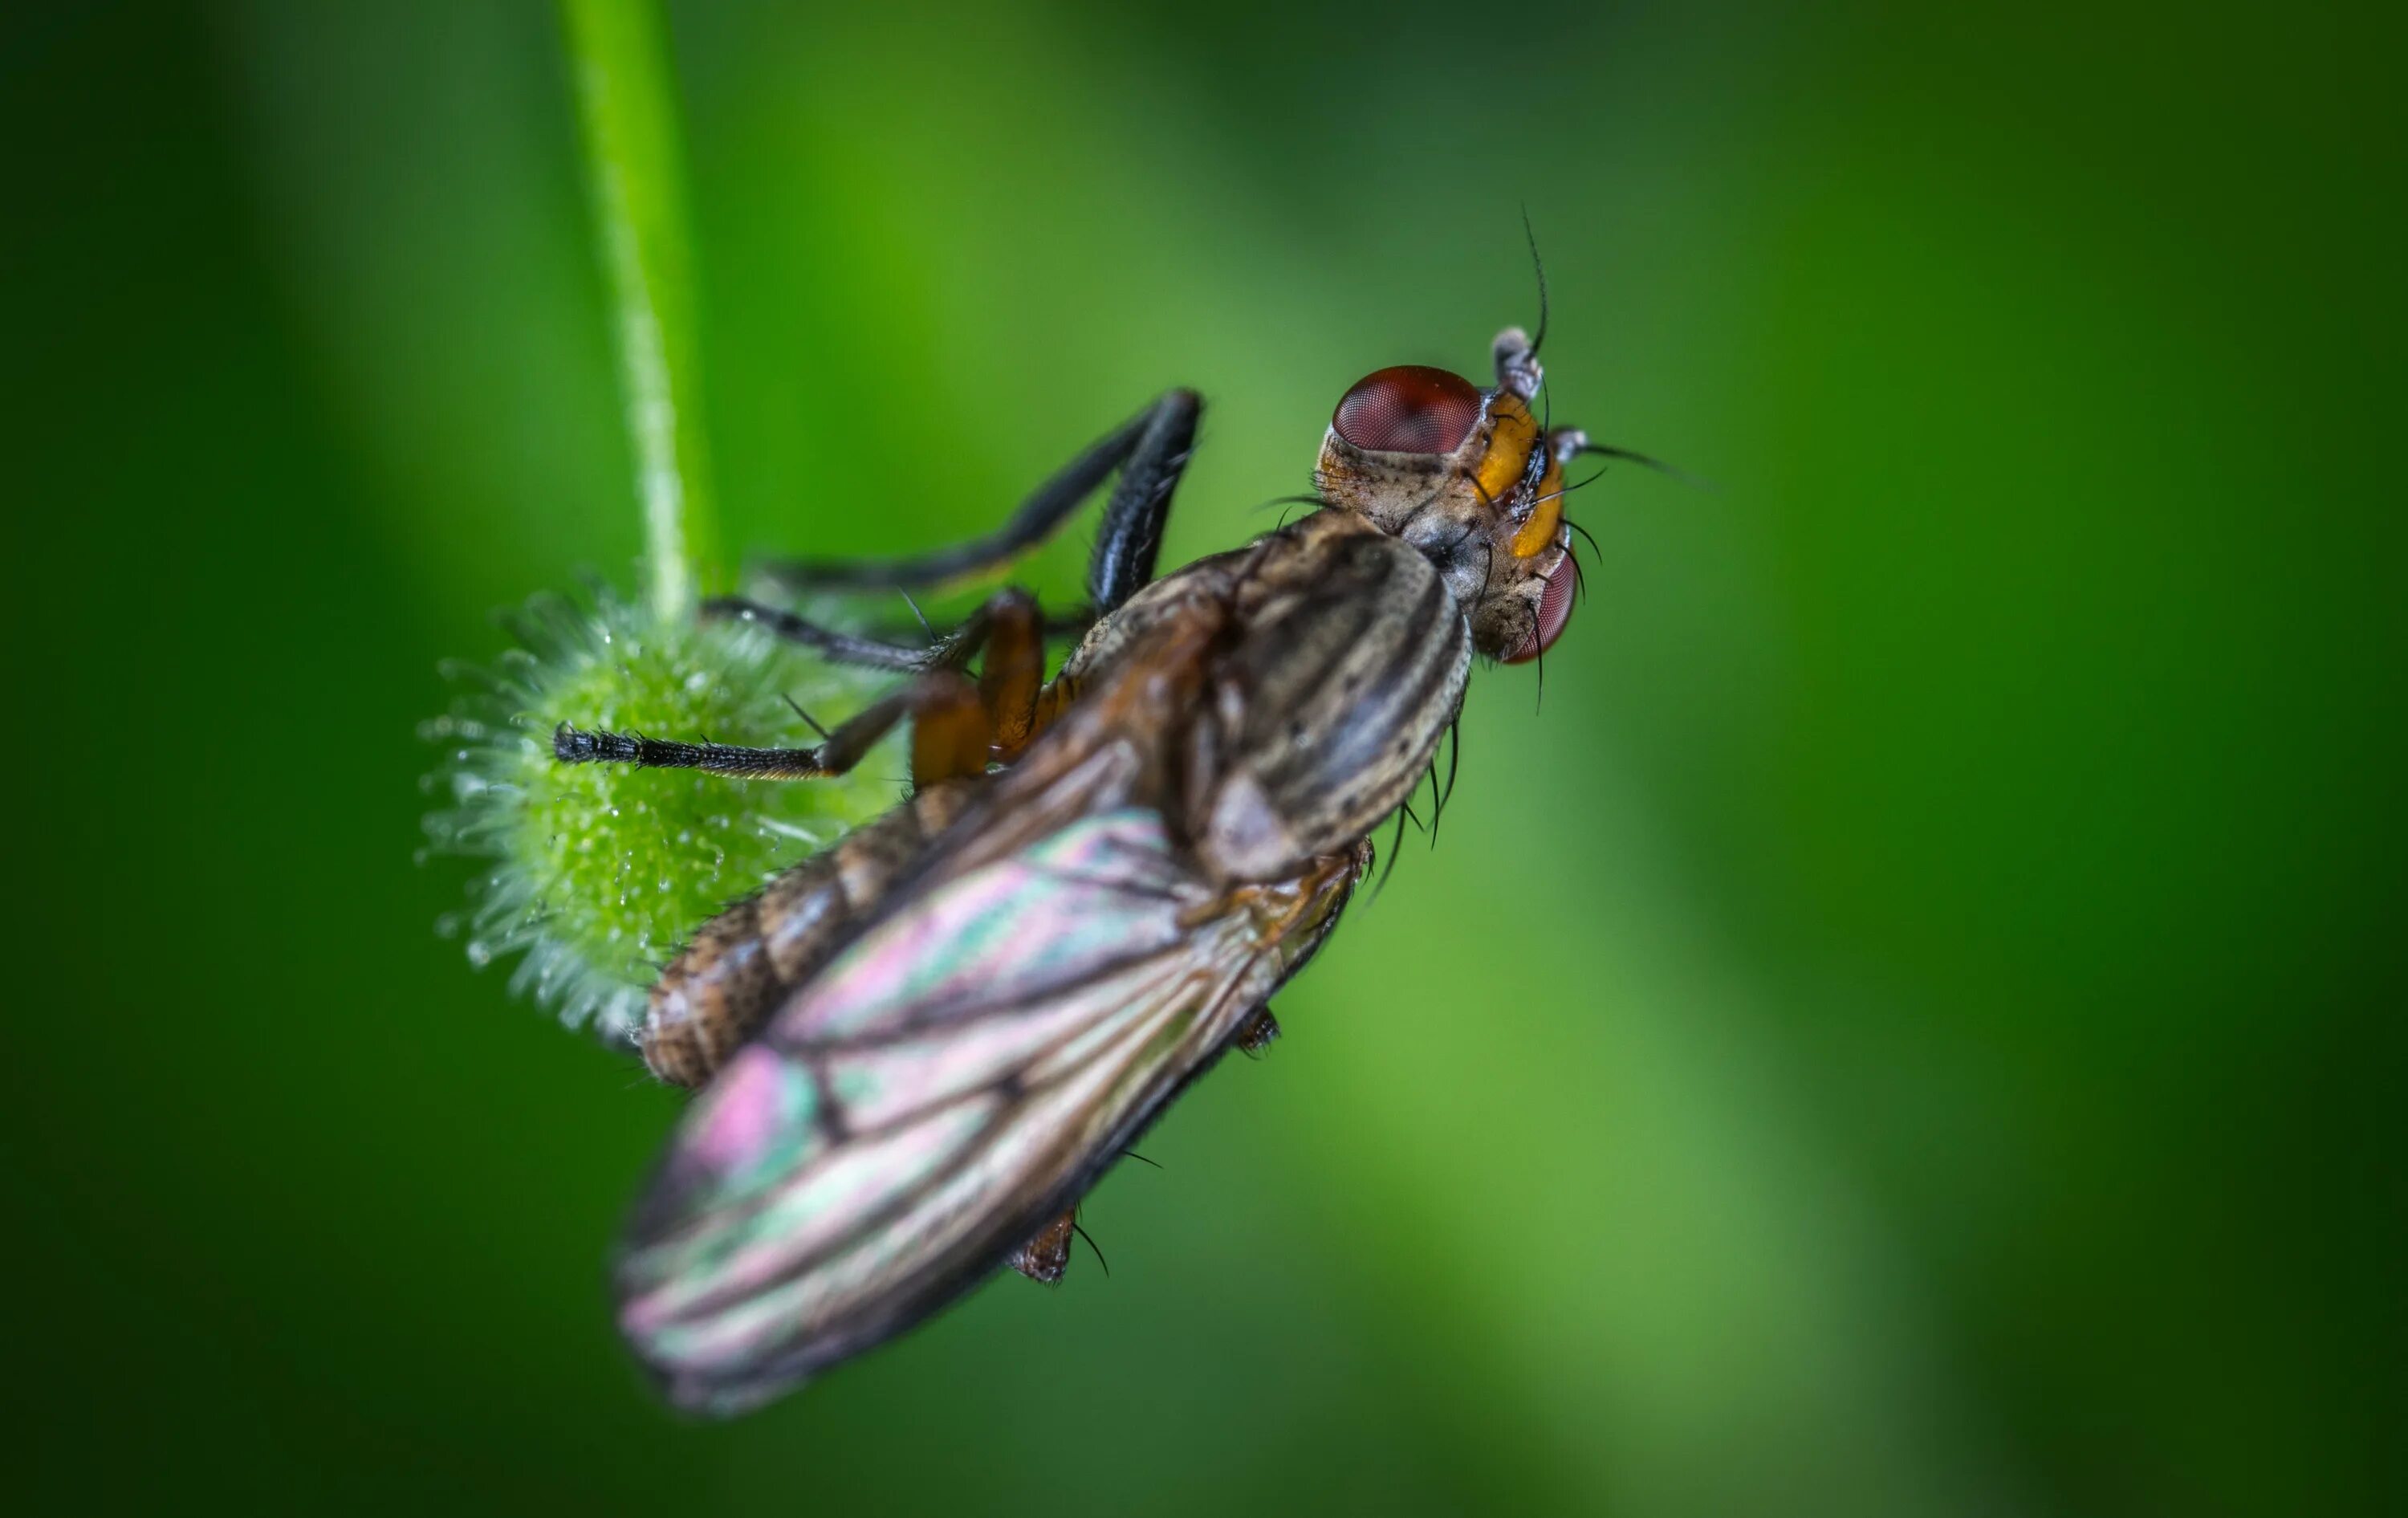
1912 1027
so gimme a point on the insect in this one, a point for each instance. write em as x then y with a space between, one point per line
925 1045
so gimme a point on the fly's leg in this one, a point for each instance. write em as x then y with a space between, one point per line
937 701
1012 688
719 989
880 651
739 966
1131 538
832 644
1015 700
956 726
1150 451
1047 1254
1257 1033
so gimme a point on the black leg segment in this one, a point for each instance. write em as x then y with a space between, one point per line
837 646
842 751
955 720
1131 537
1149 449
882 650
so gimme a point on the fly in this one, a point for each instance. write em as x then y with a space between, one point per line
926 1044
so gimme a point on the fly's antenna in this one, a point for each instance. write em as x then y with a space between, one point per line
1605 451
1539 268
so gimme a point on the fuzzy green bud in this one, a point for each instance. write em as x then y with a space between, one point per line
598 873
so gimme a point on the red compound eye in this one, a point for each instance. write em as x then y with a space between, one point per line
1411 408
1554 610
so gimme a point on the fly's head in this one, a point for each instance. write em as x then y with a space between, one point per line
1473 480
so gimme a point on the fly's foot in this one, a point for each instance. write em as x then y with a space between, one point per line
1257 1032
1048 1254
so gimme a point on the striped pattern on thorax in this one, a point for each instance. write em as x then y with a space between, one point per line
1349 662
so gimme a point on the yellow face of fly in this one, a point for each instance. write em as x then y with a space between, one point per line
1512 439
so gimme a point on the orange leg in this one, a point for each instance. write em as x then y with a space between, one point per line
1013 672
949 731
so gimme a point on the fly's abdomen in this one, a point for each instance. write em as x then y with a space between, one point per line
742 965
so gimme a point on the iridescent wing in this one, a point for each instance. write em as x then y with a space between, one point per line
957 1076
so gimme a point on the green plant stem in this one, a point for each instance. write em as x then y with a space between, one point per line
627 103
